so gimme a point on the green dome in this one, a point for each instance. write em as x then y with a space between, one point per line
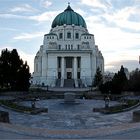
69 17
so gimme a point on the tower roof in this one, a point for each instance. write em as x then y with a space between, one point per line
69 17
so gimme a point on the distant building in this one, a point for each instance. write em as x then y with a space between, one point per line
68 53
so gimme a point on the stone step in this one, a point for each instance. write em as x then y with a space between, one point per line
69 83
58 82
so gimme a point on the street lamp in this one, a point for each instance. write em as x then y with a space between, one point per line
107 102
33 103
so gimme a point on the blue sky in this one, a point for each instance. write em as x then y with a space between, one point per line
114 23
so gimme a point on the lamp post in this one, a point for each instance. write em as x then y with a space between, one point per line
107 102
33 103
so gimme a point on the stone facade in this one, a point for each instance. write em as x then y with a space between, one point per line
68 52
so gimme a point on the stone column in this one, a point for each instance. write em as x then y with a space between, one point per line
44 65
75 67
62 68
39 66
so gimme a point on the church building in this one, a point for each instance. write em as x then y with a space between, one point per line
68 56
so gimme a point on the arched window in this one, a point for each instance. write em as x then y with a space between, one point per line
68 35
60 35
77 35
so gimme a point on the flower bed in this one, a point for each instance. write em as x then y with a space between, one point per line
125 106
24 109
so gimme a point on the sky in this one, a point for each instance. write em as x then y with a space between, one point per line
114 23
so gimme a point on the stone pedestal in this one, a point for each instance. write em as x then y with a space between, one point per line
69 97
4 116
136 116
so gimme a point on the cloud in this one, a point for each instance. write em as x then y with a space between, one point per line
46 16
121 18
45 3
137 2
4 47
80 11
8 29
122 15
12 16
115 26
115 44
96 3
29 58
23 8
115 65
28 36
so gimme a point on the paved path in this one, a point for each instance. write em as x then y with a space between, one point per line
131 134
65 116
128 131
12 135
69 121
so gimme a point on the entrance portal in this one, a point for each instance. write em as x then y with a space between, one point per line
69 75
69 63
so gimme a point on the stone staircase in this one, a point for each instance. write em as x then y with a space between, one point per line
69 83
58 83
80 84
